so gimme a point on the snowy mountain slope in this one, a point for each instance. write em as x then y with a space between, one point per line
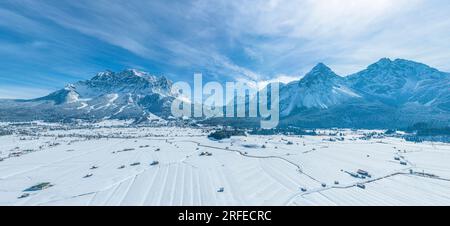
108 95
400 81
320 88
386 94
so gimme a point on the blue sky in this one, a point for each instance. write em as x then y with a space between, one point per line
46 44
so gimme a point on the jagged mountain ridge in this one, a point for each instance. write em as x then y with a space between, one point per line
130 94
386 94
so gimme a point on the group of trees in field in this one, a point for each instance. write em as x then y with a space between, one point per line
428 132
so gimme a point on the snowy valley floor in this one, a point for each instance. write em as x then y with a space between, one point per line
113 166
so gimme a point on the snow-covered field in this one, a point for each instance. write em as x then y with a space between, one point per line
114 165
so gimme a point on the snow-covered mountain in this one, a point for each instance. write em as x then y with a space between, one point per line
386 94
320 88
108 95
400 81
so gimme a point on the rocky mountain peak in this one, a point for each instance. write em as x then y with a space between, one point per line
318 75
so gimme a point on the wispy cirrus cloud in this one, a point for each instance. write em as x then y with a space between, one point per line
53 42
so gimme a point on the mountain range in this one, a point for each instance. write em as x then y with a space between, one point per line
387 94
130 94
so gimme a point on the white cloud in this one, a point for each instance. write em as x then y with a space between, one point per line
285 79
249 40
347 34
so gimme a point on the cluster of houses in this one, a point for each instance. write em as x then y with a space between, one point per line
361 174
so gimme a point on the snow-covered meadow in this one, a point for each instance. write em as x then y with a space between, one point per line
115 164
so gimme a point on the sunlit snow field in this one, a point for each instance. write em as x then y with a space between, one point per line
113 166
